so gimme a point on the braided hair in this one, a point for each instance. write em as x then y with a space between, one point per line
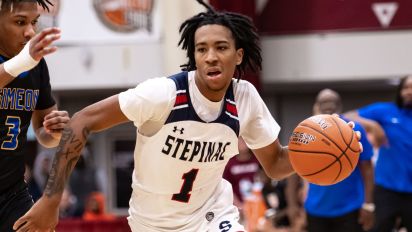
243 31
43 3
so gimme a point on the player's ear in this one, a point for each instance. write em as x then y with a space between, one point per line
239 56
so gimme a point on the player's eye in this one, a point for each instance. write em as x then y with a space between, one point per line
20 22
201 50
34 22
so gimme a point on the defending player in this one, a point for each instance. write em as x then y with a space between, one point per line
25 95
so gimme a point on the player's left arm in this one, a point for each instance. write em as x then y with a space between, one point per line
48 125
274 159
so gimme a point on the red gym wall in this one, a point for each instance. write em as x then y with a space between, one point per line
297 16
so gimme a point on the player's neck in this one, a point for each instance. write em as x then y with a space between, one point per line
209 94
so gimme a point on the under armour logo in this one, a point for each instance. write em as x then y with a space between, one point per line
176 129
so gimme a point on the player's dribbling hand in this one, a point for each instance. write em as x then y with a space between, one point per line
54 123
42 217
41 43
358 134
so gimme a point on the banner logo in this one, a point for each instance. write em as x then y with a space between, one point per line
385 11
125 15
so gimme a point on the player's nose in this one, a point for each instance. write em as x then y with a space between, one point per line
29 31
211 56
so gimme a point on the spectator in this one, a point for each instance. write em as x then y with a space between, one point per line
41 167
67 204
254 206
274 199
32 185
95 208
347 205
240 172
390 124
83 181
295 191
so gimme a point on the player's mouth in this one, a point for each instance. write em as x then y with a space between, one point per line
214 74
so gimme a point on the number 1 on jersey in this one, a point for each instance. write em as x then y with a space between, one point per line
188 180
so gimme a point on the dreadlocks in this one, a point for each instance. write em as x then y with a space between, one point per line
42 3
243 31
398 99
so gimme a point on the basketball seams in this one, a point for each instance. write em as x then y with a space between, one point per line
338 158
324 134
344 141
343 151
313 152
318 133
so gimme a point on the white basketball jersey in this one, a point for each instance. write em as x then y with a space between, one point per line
178 169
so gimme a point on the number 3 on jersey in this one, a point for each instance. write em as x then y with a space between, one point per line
188 180
14 130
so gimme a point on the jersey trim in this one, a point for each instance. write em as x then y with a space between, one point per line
184 110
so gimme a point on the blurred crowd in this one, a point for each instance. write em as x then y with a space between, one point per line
82 198
376 197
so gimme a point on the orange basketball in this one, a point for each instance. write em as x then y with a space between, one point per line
323 149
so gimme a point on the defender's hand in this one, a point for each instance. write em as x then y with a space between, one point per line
54 123
42 217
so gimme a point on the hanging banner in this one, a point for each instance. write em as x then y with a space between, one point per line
104 21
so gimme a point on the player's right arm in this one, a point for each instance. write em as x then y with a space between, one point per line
43 216
38 47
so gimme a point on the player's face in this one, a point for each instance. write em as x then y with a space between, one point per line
17 26
216 59
406 92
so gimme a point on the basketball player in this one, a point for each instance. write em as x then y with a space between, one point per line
187 129
391 125
24 95
347 205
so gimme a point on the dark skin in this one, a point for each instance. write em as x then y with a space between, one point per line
20 26
216 60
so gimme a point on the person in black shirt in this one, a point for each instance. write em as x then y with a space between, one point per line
25 95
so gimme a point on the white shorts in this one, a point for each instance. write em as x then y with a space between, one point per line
217 215
227 222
